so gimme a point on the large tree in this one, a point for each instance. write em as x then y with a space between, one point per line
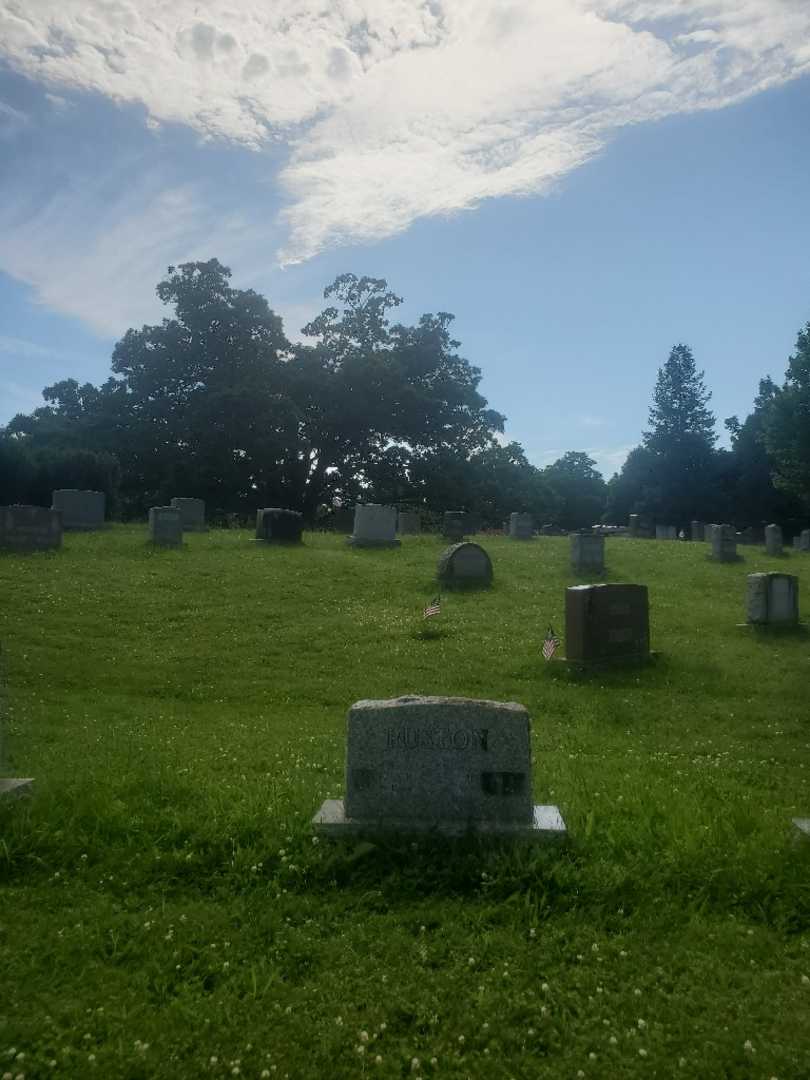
786 425
580 489
681 439
376 399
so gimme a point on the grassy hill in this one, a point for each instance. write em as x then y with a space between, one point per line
166 912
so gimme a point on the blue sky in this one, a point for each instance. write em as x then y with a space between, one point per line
583 183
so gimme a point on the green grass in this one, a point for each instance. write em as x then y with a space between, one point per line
183 713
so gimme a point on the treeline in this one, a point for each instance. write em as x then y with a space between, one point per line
216 403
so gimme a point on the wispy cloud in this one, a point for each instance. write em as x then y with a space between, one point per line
390 110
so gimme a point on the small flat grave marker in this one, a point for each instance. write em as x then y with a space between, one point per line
439 765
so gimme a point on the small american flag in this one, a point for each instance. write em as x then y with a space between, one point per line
550 644
433 608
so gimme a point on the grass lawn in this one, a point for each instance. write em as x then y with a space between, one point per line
166 912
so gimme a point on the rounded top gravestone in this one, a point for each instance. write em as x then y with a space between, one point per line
465 564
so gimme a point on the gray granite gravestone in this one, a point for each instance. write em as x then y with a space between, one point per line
772 599
696 530
587 553
275 525
666 532
165 526
439 765
802 541
606 624
30 528
633 525
80 509
521 526
455 524
773 540
724 543
409 523
192 514
374 526
465 564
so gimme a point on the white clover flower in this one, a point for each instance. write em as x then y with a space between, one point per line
748 1046
642 1052
613 1040
461 1039
363 1036
641 1024
532 932
471 961
378 1059
805 980
414 1064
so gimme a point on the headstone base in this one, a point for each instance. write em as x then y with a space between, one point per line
13 789
637 660
547 824
360 542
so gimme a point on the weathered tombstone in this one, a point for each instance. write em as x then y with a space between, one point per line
165 526
465 564
521 526
275 525
666 532
606 623
724 543
455 524
587 553
409 522
374 526
802 541
633 525
696 530
772 599
80 509
30 528
773 540
192 514
439 765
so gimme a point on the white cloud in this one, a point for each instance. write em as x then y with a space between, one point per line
393 110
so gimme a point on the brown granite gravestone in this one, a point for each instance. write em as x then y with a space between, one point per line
278 526
440 765
606 623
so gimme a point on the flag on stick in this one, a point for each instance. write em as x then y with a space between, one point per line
433 608
550 644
